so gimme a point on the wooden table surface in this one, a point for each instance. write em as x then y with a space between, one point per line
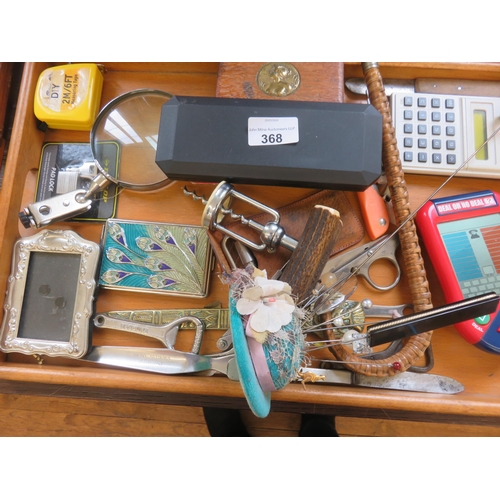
478 371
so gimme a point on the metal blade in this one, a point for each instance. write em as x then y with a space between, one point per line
358 86
172 362
430 86
409 381
406 381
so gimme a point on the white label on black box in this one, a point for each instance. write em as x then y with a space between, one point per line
270 131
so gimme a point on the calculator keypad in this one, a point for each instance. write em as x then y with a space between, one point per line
427 127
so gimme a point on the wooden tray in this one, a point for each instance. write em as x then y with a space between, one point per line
167 205
478 371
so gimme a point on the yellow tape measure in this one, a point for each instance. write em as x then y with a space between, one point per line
69 96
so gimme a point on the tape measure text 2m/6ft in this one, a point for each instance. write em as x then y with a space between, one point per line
69 96
462 237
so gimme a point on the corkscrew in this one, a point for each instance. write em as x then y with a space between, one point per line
217 208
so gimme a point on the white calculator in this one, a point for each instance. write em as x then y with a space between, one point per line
436 133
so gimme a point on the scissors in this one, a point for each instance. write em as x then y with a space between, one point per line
360 259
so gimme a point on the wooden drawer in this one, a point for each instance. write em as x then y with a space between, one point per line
478 371
166 205
18 190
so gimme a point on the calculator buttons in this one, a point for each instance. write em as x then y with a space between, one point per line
436 133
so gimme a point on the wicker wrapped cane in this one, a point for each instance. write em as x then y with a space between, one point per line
415 347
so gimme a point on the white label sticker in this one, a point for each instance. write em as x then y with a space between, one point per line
264 131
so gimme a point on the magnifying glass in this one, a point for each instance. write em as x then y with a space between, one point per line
131 121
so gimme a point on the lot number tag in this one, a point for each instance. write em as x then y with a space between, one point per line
272 131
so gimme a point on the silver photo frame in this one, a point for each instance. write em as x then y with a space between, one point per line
50 295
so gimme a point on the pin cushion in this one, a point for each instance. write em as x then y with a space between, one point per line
268 342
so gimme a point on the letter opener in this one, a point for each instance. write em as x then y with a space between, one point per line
172 362
430 86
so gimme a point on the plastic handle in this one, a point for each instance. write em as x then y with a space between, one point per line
374 212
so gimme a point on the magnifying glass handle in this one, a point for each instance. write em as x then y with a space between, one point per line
99 182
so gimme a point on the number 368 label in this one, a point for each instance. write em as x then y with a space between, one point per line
270 131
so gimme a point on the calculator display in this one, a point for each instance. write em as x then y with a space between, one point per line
480 133
473 247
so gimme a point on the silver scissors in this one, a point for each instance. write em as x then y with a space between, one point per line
359 260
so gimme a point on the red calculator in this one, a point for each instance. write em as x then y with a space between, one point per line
462 237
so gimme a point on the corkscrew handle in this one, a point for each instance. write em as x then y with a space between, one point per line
217 207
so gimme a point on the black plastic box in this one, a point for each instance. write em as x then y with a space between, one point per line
206 139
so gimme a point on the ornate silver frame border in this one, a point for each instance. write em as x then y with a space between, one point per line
58 242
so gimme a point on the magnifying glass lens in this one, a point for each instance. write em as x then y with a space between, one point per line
132 122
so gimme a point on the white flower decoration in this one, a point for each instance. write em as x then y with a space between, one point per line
268 304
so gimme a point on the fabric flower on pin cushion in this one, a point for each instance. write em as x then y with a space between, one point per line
268 304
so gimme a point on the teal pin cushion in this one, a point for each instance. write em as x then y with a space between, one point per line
269 362
258 400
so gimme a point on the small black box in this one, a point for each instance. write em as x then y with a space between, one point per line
339 145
